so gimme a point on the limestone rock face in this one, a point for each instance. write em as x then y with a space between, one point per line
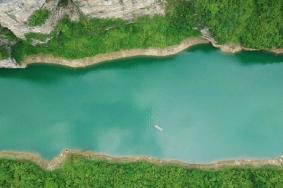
15 13
125 9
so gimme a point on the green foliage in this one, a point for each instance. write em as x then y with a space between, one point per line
38 17
251 23
79 172
36 36
90 37
267 30
6 34
3 53
180 16
7 38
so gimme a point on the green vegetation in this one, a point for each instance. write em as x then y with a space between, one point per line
38 17
251 23
79 172
36 36
6 34
7 38
3 53
89 37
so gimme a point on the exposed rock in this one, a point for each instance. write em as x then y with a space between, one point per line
57 13
14 14
125 9
227 48
9 63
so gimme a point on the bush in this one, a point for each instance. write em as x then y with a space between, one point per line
254 24
3 53
38 17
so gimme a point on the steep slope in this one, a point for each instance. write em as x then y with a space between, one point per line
14 14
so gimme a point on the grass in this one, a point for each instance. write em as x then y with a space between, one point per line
79 172
3 53
38 17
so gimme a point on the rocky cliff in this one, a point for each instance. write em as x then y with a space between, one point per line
14 14
125 9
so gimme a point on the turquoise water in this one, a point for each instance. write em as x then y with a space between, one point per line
210 106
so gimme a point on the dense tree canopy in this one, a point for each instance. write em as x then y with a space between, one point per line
79 172
251 23
39 17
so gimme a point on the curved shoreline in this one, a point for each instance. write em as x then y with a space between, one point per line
154 52
61 158
100 58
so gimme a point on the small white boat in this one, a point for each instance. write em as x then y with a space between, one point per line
158 127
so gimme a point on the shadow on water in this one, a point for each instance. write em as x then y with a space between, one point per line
132 62
244 57
258 57
204 48
47 74
41 74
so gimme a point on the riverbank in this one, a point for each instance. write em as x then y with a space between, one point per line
84 62
75 37
101 58
78 171
64 155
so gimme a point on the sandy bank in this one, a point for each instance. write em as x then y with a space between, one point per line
84 62
59 160
277 51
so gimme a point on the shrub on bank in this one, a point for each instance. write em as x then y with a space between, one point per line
3 53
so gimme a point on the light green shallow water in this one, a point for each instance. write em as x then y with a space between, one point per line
211 107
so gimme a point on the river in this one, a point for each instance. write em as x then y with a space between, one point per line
208 106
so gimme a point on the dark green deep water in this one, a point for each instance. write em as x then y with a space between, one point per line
211 107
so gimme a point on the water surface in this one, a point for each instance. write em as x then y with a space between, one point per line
211 106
